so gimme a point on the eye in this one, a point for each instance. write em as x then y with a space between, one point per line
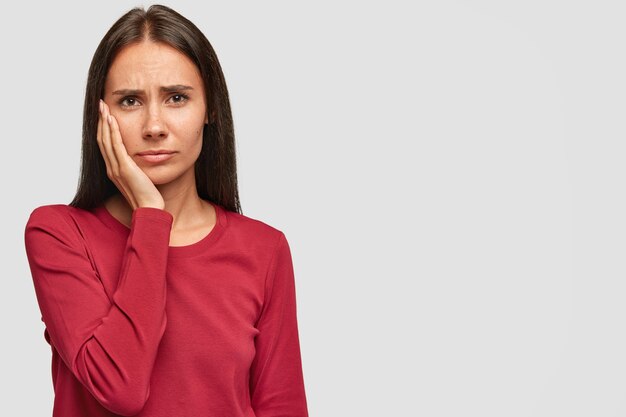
183 98
131 100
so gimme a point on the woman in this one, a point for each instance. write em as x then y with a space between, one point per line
158 296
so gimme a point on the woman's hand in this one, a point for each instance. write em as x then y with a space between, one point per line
132 182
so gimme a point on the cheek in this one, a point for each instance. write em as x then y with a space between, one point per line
126 130
186 128
190 128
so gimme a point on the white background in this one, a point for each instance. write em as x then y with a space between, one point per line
449 176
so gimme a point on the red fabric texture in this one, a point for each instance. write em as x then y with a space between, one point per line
138 327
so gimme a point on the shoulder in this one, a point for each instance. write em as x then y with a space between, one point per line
251 223
55 214
51 214
253 231
58 219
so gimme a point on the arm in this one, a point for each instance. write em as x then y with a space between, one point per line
276 378
110 345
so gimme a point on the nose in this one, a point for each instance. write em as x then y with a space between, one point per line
154 126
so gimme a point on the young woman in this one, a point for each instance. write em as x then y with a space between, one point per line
160 298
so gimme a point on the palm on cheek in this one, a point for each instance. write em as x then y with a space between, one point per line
132 182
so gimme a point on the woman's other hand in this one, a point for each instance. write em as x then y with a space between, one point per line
132 182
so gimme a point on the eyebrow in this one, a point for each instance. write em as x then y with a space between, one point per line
164 89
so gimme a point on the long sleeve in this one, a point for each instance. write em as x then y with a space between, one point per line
109 344
276 377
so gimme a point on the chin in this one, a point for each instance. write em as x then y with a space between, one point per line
161 179
163 175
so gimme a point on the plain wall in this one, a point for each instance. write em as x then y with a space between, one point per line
449 176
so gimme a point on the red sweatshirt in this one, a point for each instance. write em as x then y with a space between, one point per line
138 327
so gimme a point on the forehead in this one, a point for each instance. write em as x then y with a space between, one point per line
149 64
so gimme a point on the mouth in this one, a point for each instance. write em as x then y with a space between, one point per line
155 152
158 156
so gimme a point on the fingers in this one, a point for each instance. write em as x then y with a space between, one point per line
115 153
99 139
117 143
106 142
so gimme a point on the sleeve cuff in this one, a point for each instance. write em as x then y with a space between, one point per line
153 212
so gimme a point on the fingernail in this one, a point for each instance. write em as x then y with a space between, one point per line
109 117
100 105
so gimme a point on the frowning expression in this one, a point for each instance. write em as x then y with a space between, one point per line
157 96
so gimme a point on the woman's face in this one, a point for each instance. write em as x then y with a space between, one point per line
156 95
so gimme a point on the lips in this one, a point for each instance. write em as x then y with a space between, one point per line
155 157
157 152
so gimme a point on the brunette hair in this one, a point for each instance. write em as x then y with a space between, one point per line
215 168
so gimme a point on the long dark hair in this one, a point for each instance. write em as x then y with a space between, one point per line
215 168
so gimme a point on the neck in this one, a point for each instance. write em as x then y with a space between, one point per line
181 201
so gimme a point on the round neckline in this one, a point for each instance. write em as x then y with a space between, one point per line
177 251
